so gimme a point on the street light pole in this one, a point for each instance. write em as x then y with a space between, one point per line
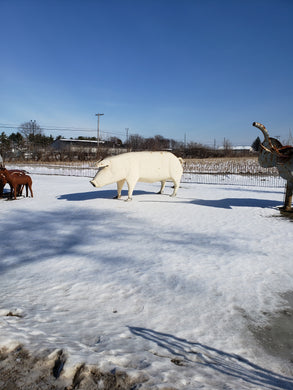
98 135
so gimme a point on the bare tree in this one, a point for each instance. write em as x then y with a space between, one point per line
135 142
115 141
31 132
30 128
227 148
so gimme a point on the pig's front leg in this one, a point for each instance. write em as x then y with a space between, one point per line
131 185
120 184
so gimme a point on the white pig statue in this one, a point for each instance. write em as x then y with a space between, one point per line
132 167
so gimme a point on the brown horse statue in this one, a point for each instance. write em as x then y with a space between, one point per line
17 180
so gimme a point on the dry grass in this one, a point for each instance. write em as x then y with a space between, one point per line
228 165
20 370
221 165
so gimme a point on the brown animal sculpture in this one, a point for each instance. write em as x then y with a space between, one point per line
17 182
3 180
273 154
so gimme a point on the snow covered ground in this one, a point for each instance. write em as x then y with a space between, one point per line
166 289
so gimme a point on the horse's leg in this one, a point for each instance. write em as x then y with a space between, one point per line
11 191
19 189
15 190
30 187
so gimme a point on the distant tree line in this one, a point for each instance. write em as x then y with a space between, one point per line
181 149
30 143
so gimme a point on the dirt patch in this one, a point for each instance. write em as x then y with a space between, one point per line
276 338
286 214
19 370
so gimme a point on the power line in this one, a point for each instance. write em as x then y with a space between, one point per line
61 129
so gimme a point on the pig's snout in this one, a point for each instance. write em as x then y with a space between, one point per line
93 183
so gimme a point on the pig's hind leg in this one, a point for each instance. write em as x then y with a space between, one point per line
176 186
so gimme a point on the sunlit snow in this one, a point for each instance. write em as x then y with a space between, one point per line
160 286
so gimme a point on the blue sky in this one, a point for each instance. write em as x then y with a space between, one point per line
204 69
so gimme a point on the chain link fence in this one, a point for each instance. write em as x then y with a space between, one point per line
242 173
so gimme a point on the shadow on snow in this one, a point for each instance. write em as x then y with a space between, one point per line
228 203
36 236
29 237
102 194
183 352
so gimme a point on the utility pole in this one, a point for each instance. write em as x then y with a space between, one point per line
98 135
33 129
127 137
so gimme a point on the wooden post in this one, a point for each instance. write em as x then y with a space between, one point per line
288 198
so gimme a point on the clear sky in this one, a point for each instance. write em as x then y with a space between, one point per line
204 69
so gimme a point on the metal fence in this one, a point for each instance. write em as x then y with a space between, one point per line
89 170
256 180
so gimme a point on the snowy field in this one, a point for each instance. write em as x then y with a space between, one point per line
165 289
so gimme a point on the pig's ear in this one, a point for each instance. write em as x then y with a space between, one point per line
103 163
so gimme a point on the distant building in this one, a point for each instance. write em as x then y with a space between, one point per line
73 145
242 148
76 146
237 149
